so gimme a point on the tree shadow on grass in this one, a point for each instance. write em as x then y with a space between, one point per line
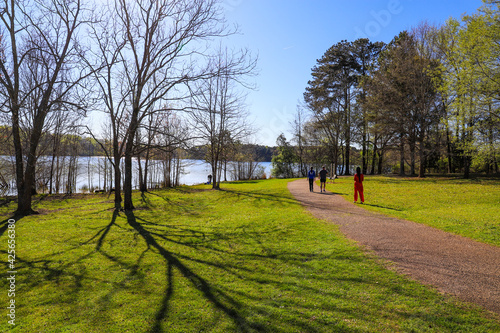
246 308
339 193
383 207
330 193
4 225
259 195
103 232
183 208
213 295
242 314
73 275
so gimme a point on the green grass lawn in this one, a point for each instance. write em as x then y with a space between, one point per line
244 259
470 208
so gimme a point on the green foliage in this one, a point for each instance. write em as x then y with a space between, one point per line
246 259
470 79
284 160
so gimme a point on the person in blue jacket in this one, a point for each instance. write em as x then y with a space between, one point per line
311 175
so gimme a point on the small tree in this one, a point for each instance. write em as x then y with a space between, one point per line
284 161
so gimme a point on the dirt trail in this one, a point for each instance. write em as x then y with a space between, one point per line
453 264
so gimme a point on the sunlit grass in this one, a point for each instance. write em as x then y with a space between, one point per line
470 208
244 259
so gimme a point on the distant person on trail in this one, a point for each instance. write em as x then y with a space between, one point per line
322 180
209 180
358 185
311 175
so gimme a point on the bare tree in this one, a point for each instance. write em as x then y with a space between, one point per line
41 49
111 88
60 123
173 135
162 44
218 113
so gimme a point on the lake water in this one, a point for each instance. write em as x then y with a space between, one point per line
91 172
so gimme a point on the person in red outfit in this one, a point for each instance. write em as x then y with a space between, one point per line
358 185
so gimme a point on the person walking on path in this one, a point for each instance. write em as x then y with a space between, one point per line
311 175
322 180
453 264
358 185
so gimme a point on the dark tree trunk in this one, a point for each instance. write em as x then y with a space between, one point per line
127 186
467 160
364 157
380 162
374 158
348 136
24 196
118 179
412 158
402 156
421 171
139 166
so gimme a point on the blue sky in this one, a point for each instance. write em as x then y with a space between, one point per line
290 35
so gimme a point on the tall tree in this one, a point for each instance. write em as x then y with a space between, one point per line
424 70
402 93
157 57
333 91
365 53
467 73
490 57
41 50
340 66
110 88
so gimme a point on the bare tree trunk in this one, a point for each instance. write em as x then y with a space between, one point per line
69 178
52 162
127 193
374 157
364 166
348 134
401 155
168 170
178 171
142 186
412 157
380 162
118 178
421 171
58 173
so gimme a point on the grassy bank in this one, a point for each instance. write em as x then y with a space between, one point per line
470 208
245 259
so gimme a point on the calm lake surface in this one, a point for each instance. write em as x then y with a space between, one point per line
90 172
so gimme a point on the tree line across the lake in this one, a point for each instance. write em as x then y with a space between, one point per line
426 101
82 146
163 81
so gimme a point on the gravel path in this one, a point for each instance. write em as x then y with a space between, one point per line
453 264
